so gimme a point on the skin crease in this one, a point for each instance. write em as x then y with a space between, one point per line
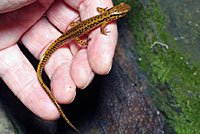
69 67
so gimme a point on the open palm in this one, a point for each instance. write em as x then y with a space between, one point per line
37 24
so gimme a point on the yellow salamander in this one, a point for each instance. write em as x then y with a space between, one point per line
78 29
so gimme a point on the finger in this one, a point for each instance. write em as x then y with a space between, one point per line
81 71
19 75
61 15
14 24
101 48
101 52
63 85
37 39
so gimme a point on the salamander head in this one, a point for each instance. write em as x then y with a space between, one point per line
119 11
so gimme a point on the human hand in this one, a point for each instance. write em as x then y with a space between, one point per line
69 67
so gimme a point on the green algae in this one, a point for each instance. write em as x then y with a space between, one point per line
174 77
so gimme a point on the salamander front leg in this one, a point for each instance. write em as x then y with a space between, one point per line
81 42
102 10
75 23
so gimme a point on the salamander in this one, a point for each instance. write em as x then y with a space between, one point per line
78 29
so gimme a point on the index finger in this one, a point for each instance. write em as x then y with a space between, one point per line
101 48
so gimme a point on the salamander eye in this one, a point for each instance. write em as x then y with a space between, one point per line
115 10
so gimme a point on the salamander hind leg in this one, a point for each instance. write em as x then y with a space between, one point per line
103 30
81 42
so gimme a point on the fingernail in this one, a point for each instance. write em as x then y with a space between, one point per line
89 80
73 98
109 69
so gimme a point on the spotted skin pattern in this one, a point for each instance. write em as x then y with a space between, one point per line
78 29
